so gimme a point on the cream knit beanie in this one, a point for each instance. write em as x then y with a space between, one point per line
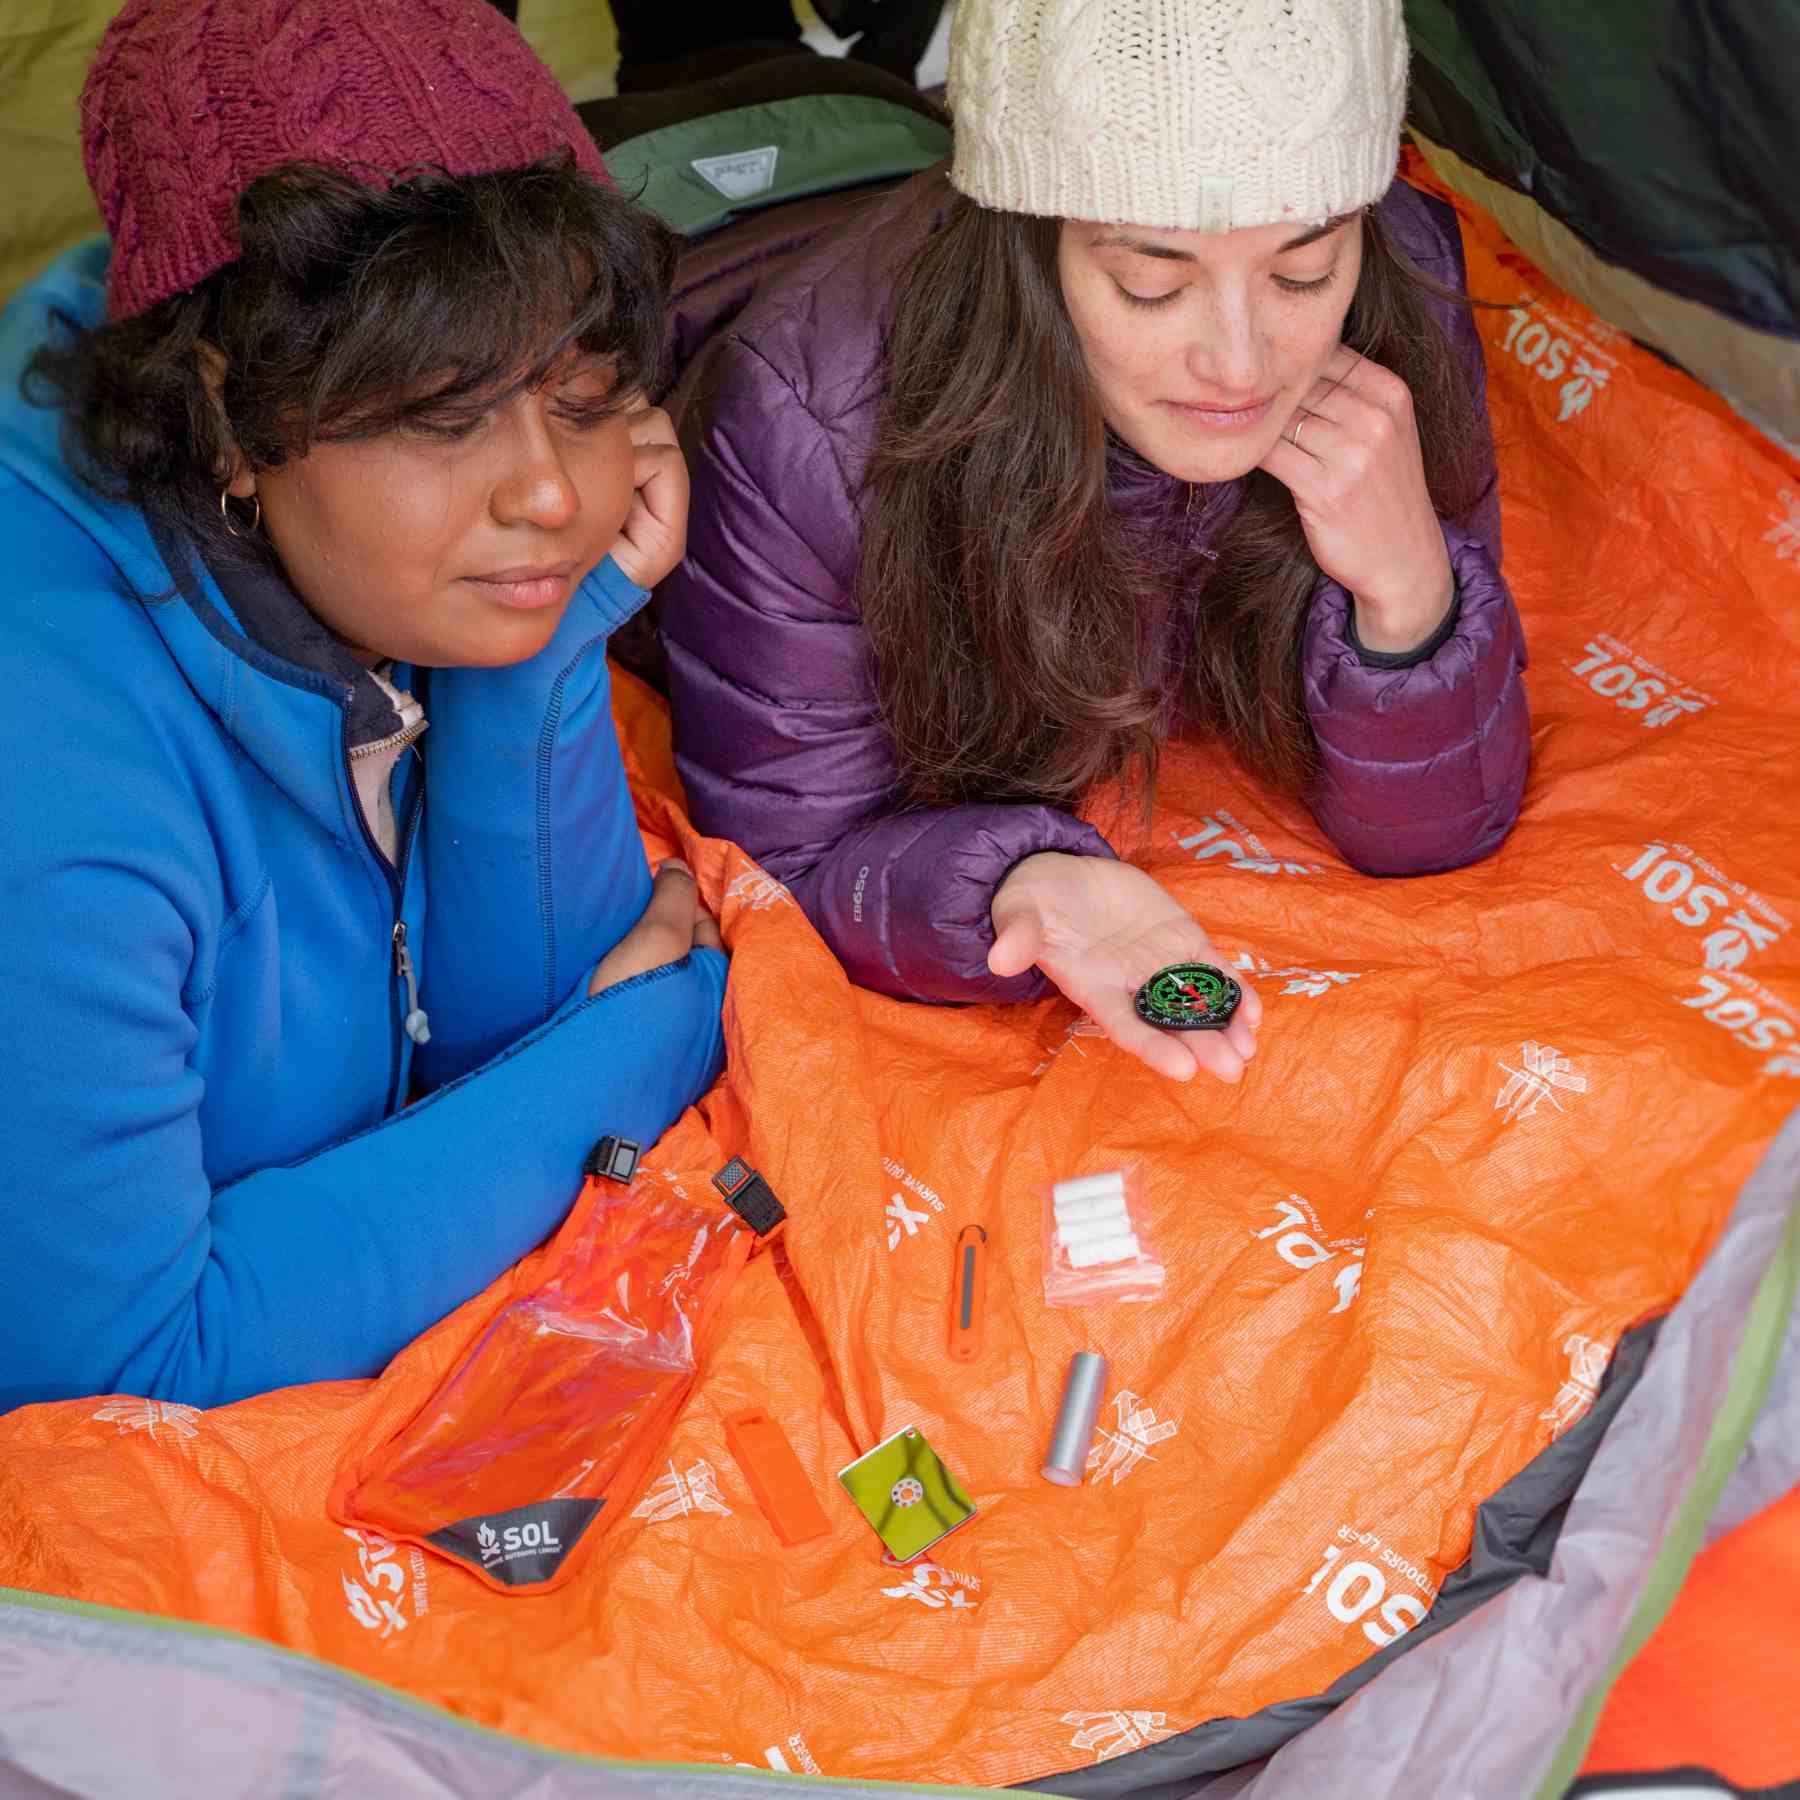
1197 115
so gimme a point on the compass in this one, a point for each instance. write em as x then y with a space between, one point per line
1190 996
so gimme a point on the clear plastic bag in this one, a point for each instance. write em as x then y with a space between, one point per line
540 1435
1096 1243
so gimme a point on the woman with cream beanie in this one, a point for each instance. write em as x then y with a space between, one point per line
1158 413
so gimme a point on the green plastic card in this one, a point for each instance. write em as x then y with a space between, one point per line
906 1493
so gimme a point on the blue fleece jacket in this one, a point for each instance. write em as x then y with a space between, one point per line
208 1186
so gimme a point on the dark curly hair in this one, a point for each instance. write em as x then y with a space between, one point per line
351 311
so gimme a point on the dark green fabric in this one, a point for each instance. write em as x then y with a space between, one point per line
1663 132
762 155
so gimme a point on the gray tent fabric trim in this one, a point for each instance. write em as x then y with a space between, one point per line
98 1702
1515 1531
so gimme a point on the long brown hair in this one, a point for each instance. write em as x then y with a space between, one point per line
1031 641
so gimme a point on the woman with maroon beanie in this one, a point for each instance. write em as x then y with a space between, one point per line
313 1012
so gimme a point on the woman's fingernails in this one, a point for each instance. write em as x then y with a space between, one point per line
675 863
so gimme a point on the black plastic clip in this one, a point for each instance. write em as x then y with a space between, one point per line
613 1159
749 1196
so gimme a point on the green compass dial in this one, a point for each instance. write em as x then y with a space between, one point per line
1189 997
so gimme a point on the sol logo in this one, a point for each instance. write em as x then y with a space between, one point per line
375 1602
938 1588
1749 1017
1358 1588
1669 881
1210 841
1300 1249
1617 673
1534 344
533 1538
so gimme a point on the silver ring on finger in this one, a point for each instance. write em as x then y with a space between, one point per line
1300 419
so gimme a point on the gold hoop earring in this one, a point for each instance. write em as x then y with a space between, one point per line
225 513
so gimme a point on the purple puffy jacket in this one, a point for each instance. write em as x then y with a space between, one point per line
778 734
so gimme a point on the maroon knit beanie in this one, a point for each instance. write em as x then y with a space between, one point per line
189 101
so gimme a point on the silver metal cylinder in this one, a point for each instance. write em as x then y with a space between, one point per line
1083 1391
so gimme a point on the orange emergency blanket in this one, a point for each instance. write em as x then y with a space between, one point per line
1497 1119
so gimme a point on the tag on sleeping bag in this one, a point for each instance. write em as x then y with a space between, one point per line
539 1438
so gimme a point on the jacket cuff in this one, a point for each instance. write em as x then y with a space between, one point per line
1372 714
959 888
919 922
1406 659
612 594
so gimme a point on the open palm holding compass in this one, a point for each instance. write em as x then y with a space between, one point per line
1117 943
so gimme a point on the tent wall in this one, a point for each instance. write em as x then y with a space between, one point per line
1642 152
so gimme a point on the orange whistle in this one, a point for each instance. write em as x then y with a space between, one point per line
968 1293
775 1477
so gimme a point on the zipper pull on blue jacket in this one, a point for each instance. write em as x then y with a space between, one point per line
417 1023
